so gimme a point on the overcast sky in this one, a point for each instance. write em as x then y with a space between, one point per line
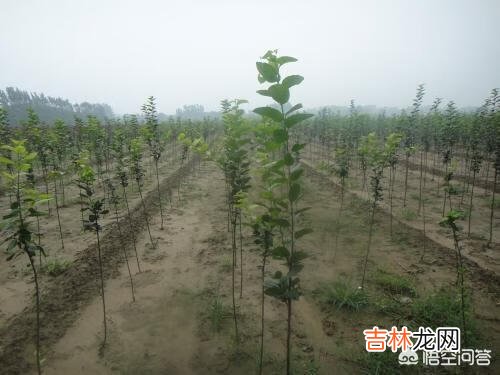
186 52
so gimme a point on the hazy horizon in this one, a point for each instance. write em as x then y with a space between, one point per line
195 52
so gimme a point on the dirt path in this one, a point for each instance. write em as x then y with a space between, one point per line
158 333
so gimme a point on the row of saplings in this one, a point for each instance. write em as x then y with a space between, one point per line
276 215
17 171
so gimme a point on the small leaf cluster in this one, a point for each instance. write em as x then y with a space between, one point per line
95 207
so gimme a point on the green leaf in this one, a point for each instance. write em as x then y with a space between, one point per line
267 71
294 192
294 108
295 175
304 209
12 245
296 118
292 80
282 223
270 112
279 93
298 146
280 135
280 252
303 232
285 59
4 160
288 159
276 289
278 275
11 214
263 92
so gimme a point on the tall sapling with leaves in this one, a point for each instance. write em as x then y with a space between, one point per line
16 223
95 208
285 174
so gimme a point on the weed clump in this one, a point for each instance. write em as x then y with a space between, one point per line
56 266
342 295
393 283
218 312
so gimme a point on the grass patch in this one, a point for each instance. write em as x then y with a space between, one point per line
55 266
443 309
217 312
341 295
393 283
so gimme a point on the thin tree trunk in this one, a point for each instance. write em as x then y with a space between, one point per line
134 239
146 216
392 179
289 335
493 205
234 221
57 212
39 236
241 258
63 192
370 234
102 289
337 229
44 171
125 253
460 279
159 195
263 294
470 202
446 188
406 179
37 296
420 182
486 178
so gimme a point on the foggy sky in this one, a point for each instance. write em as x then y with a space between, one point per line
185 52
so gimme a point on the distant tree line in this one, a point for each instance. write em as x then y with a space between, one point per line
195 112
48 108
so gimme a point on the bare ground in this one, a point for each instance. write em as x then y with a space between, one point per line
169 330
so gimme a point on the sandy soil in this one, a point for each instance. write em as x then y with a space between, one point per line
168 329
474 247
16 277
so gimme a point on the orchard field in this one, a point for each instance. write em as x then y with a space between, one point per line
264 242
